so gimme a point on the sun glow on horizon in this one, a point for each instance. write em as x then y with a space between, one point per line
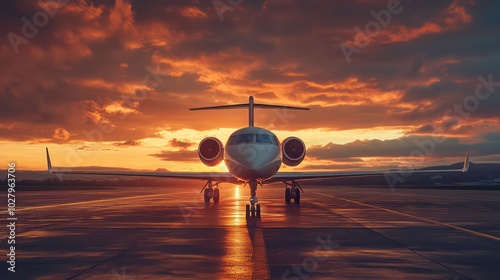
140 154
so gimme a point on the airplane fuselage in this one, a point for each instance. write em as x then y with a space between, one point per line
252 154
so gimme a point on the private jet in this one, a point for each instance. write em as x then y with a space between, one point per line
253 157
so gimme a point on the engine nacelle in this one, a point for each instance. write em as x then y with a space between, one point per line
211 151
293 151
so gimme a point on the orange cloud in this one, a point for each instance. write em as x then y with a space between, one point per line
193 12
121 17
457 13
454 17
406 34
118 107
61 134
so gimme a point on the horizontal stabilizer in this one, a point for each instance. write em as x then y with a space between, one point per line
246 105
250 105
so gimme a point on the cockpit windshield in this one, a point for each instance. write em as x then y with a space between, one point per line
244 138
263 138
252 138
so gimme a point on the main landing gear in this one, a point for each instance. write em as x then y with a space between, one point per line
253 209
292 192
210 192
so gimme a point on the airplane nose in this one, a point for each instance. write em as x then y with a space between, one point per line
256 159
253 160
255 165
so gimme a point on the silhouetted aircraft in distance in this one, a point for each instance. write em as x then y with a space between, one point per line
253 156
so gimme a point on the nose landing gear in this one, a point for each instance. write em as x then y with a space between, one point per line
253 210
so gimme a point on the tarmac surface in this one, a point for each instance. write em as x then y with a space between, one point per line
335 233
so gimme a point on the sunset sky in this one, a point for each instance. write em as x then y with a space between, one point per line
109 83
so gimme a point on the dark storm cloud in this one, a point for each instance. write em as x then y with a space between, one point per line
443 87
424 129
482 64
493 137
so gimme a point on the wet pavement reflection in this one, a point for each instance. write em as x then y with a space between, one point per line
167 233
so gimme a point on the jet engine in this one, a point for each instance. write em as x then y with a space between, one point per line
293 150
211 151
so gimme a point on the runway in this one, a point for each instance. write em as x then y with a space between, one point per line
335 233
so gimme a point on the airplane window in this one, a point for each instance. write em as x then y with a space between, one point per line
231 139
264 138
244 138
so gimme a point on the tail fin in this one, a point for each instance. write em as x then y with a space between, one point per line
251 105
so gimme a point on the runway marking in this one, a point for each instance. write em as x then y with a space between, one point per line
93 201
477 233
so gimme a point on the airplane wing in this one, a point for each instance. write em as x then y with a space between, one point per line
227 177
214 176
303 176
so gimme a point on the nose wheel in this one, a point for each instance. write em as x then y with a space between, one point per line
252 211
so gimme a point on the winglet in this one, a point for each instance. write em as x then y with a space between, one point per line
466 162
49 164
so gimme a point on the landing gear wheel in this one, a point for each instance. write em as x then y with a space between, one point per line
252 210
247 211
258 211
297 196
216 195
206 195
288 196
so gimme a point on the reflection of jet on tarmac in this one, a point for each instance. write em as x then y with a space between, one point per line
253 156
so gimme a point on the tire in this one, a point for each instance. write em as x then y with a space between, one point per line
216 195
297 195
206 196
247 211
288 195
258 211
